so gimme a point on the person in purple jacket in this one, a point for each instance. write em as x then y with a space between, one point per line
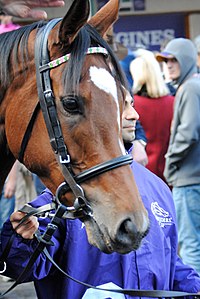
155 265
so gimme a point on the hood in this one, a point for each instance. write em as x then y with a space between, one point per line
186 54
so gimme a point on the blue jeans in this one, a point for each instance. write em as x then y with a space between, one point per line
7 206
39 186
187 204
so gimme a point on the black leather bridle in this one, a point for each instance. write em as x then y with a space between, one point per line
47 104
81 207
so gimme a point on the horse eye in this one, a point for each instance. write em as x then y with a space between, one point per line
70 104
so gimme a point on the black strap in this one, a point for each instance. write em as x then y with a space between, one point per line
94 171
130 292
28 133
30 212
45 93
44 240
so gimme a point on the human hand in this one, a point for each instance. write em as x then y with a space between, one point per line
139 154
9 189
28 228
25 9
11 182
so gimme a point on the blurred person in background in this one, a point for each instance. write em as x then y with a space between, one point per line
154 104
39 186
25 189
197 45
182 168
7 196
170 84
7 24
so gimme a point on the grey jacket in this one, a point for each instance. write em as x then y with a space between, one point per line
182 166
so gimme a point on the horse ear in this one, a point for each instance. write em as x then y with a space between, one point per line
75 18
105 17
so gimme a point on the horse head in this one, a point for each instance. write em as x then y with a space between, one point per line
88 92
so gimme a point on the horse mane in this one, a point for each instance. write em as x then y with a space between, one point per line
15 42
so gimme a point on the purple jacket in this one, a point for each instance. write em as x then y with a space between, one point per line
155 265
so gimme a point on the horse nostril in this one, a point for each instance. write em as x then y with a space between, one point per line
128 235
128 228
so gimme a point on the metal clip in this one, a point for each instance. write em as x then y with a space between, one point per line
65 160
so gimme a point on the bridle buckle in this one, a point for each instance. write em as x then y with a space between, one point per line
64 160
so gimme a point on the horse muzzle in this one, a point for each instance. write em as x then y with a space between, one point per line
125 239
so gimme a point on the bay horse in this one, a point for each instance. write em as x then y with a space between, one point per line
81 92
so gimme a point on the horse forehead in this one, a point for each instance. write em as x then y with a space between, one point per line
103 80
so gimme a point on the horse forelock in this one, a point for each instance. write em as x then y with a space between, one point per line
86 38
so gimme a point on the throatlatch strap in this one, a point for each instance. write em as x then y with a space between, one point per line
28 133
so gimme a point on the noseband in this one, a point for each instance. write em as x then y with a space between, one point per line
47 104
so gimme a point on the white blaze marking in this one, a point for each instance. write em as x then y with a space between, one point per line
104 81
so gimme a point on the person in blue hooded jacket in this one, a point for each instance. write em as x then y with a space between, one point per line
155 265
182 167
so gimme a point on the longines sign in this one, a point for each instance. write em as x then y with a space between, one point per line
149 31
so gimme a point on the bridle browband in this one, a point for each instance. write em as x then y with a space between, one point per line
56 62
81 207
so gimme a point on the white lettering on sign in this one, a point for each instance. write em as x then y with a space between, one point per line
147 38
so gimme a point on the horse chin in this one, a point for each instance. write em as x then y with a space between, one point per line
103 242
96 237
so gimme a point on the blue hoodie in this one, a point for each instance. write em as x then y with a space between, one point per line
155 265
182 167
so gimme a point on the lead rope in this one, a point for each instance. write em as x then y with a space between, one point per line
30 212
130 292
45 240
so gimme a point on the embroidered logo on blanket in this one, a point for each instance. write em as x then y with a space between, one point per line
163 217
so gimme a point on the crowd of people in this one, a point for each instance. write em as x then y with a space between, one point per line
166 88
167 145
